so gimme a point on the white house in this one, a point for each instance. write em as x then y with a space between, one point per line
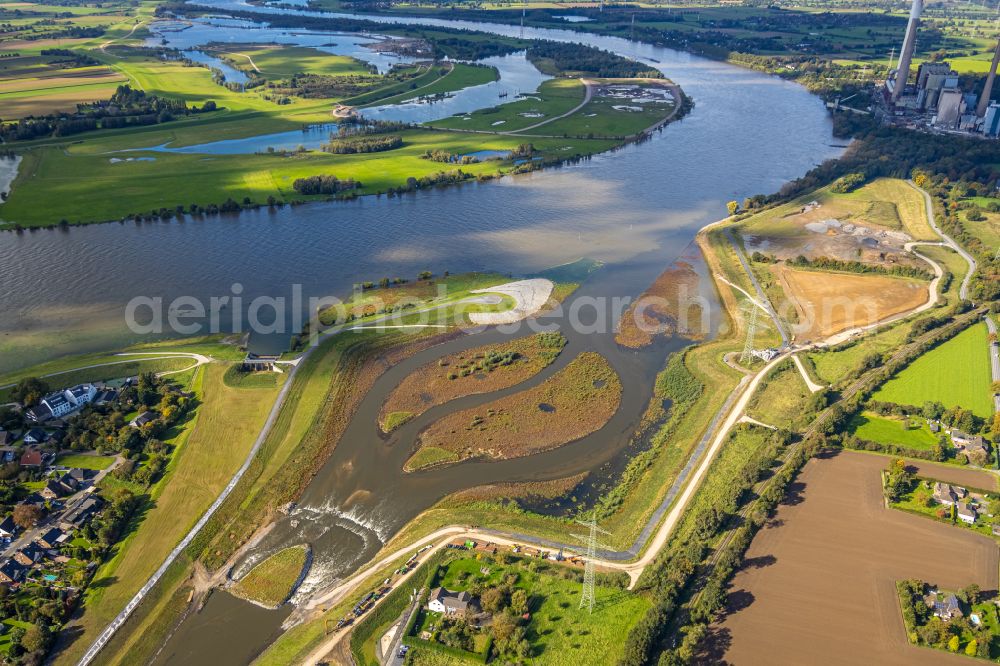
449 603
63 402
966 513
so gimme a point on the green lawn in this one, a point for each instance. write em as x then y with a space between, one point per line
270 582
554 98
954 373
85 462
890 431
560 632
286 61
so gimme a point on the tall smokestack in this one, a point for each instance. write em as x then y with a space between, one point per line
984 101
906 55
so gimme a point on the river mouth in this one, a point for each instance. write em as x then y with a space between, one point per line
360 498
636 210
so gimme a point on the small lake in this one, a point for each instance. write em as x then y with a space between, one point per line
517 76
232 74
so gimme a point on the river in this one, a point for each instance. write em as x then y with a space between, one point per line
635 209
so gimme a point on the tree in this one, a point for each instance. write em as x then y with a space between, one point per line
970 594
898 480
27 516
493 600
503 626
733 207
36 638
519 601
29 391
953 644
972 648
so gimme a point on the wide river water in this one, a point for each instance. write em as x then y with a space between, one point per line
636 210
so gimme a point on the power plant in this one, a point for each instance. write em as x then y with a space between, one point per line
935 101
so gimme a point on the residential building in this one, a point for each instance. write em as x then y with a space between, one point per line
32 458
945 606
81 513
54 489
11 572
947 494
35 436
6 437
966 513
143 419
450 603
53 538
8 528
8 454
29 555
63 402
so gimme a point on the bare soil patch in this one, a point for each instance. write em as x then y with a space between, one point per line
480 370
578 400
818 585
827 303
665 303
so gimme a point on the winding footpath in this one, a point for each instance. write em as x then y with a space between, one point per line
963 291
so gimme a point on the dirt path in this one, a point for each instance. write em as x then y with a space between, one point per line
810 384
588 93
199 359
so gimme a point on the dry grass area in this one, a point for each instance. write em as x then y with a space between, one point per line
573 403
818 583
658 311
827 303
480 370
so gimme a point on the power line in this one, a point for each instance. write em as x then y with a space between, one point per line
751 334
587 593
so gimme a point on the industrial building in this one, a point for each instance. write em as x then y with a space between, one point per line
934 100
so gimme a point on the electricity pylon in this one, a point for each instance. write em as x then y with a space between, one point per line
751 333
587 594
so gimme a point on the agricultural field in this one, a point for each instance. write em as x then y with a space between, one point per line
271 582
575 402
830 302
479 370
956 372
833 521
909 433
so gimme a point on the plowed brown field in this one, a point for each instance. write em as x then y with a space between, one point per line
819 583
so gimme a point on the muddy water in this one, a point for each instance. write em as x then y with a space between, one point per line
636 209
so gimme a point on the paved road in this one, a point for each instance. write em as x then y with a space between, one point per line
120 619
994 359
963 291
53 519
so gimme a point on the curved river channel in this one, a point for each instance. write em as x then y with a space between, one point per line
636 210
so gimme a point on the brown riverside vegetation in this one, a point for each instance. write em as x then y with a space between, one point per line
571 404
479 370
658 310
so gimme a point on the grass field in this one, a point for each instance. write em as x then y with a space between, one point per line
890 431
781 401
560 632
208 453
283 62
956 372
833 365
85 462
271 581
575 402
555 97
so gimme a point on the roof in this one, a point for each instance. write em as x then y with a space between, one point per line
8 525
144 418
52 536
453 601
36 434
964 509
5 438
84 510
32 458
11 569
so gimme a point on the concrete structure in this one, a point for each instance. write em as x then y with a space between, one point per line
991 120
984 100
949 108
906 55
